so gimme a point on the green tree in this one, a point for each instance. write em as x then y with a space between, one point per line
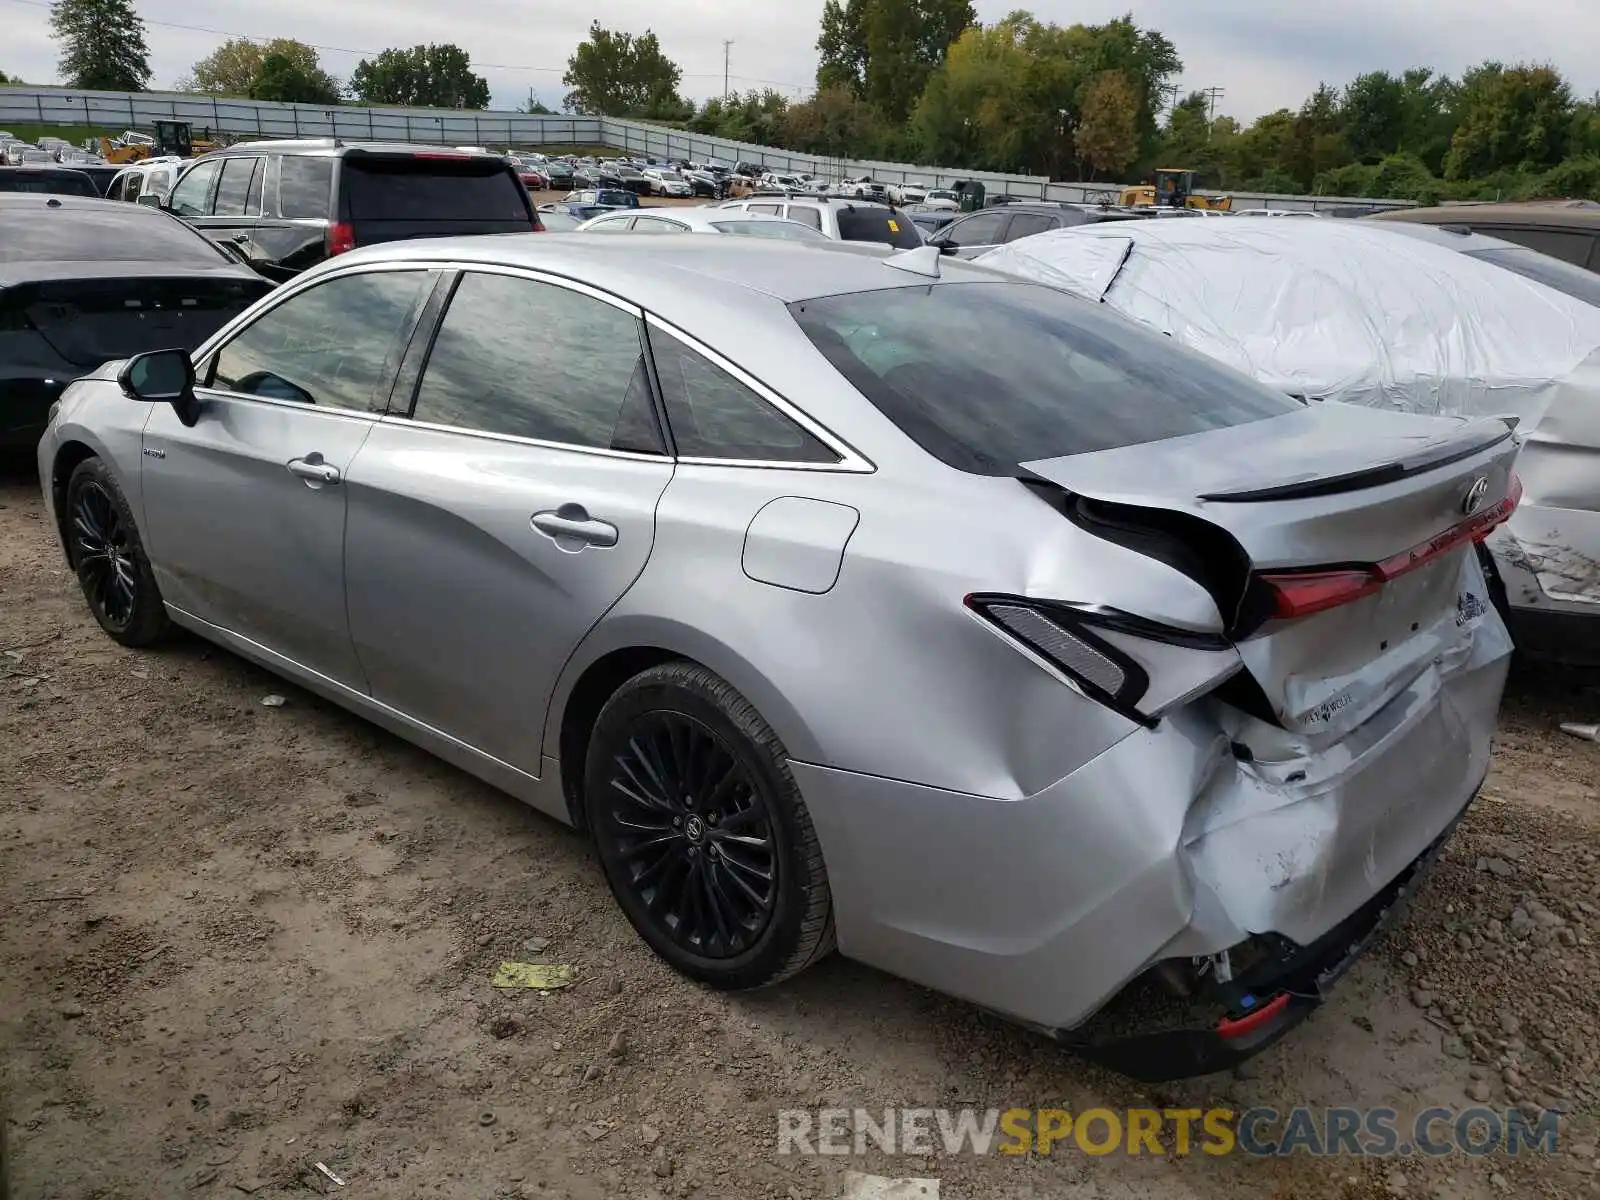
233 68
433 76
283 79
1517 118
1373 115
1108 127
835 123
618 74
102 45
842 47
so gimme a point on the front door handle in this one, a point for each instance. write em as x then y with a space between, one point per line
240 238
572 523
313 470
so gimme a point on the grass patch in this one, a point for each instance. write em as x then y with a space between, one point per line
67 133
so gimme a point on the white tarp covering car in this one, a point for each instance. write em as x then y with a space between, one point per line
1348 312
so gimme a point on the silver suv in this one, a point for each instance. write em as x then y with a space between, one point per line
841 219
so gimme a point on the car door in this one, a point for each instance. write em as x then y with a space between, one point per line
235 204
244 512
493 526
297 203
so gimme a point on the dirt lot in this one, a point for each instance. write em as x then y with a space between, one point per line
239 940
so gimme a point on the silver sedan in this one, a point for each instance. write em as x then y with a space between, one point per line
842 599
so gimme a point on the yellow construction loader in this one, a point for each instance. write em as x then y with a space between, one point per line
1172 187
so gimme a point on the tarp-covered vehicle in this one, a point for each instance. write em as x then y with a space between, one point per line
1355 313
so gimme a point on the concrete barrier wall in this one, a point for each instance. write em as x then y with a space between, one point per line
461 127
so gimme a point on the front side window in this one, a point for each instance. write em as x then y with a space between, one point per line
713 415
333 345
980 229
192 196
770 210
987 376
658 225
530 359
1027 224
806 215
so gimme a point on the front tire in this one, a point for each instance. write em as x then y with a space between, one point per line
108 558
702 832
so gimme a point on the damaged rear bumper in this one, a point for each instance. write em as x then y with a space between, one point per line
1169 845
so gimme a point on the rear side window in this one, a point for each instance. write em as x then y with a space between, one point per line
1565 244
304 185
985 376
534 360
1541 268
432 189
713 415
331 344
770 210
806 215
1027 224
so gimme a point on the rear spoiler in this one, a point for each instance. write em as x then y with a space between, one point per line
1474 439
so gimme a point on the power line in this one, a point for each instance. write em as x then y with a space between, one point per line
252 37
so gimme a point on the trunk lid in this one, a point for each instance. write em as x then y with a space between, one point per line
1338 543
89 321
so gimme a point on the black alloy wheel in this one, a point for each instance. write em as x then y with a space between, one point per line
694 834
100 552
702 832
108 557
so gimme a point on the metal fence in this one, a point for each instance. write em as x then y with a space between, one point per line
460 127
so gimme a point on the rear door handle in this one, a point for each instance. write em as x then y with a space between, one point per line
572 522
313 470
240 238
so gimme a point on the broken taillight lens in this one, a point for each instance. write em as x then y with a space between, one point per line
341 238
1302 592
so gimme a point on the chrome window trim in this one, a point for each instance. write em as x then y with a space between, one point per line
216 393
514 439
850 461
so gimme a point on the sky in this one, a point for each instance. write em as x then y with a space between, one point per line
1263 59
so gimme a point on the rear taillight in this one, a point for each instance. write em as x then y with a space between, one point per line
1301 593
538 225
341 238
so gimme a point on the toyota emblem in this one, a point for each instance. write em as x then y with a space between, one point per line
1473 500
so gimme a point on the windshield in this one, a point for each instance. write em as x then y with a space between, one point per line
615 198
106 232
788 231
985 376
1541 268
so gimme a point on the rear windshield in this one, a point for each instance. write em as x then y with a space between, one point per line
985 376
1541 268
432 189
109 232
878 225
60 183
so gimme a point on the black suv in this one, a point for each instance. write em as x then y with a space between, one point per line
987 228
285 206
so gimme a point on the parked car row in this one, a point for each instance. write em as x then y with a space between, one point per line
803 564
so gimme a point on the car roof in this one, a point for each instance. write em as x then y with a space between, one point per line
1568 214
333 147
667 273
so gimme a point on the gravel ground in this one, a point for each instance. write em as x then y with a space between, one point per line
240 940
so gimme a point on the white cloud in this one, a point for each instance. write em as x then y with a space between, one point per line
1264 59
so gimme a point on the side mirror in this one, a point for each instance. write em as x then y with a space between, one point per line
149 199
163 377
947 247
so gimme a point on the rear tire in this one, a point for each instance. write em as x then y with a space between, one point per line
108 558
702 832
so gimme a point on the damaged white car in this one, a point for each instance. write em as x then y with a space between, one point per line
1384 316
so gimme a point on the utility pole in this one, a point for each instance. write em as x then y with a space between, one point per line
727 42
1211 105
